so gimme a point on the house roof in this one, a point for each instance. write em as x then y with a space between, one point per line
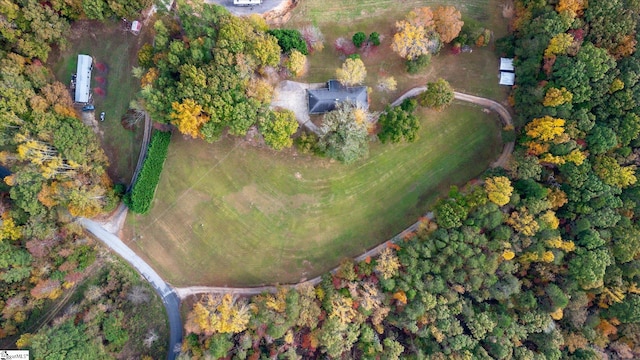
324 100
83 78
506 64
507 78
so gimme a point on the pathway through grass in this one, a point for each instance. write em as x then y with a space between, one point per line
229 214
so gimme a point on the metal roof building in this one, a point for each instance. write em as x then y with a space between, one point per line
83 78
507 78
324 100
506 64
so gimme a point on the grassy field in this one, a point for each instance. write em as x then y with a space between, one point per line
108 44
475 73
233 214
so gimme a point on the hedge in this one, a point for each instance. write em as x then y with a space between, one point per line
141 195
289 39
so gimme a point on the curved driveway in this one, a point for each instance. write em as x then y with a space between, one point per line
171 297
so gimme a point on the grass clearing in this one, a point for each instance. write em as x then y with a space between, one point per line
231 214
474 73
108 43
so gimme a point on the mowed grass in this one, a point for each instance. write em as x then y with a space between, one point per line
474 73
230 214
108 43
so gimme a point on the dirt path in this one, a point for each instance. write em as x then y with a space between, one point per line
143 149
505 116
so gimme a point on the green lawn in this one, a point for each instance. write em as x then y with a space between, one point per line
116 48
475 73
232 214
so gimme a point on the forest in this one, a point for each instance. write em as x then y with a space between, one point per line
537 261
57 173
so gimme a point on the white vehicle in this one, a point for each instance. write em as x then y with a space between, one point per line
246 2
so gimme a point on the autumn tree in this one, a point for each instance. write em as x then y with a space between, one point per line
188 117
223 314
352 72
572 7
387 84
613 174
439 95
278 127
545 128
411 41
559 44
296 63
556 97
498 189
448 22
387 264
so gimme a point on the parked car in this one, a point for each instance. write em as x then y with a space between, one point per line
88 108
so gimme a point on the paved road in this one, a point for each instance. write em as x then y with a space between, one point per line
169 298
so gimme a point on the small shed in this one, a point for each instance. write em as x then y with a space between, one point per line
83 79
507 78
506 64
136 26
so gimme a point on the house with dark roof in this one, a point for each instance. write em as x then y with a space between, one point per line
324 100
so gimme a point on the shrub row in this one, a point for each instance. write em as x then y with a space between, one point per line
141 195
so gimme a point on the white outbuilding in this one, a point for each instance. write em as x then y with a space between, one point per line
506 64
507 78
83 79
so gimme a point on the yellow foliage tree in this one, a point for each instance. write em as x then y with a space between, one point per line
557 198
550 219
296 63
556 97
8 228
352 72
523 222
217 315
448 21
508 255
545 128
498 190
558 44
342 308
260 90
410 41
387 84
572 7
558 243
387 264
188 117
575 156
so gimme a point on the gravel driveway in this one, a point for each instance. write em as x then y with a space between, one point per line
292 95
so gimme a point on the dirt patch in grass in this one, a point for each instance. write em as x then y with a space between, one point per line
116 49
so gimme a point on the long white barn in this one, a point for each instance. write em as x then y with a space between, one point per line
83 78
